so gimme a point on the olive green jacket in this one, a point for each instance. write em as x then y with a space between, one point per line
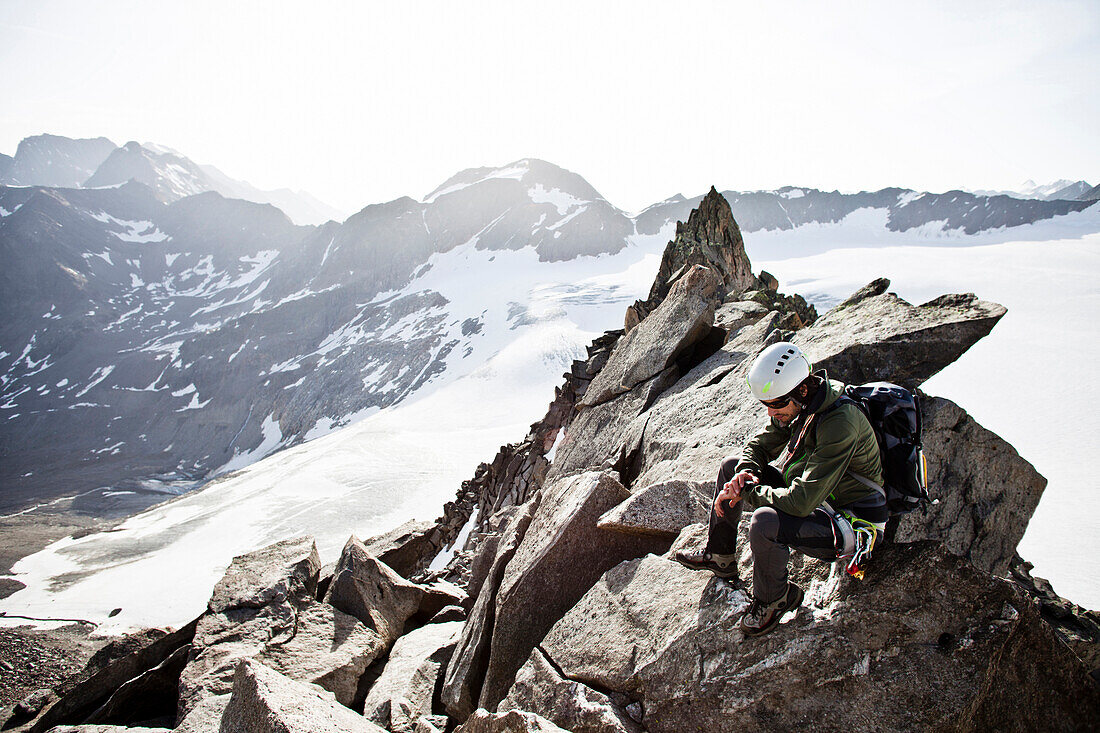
832 444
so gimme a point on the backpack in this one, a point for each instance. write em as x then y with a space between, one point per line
894 414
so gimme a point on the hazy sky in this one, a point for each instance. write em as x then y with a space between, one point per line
363 102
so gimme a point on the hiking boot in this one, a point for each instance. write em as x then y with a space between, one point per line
724 566
763 617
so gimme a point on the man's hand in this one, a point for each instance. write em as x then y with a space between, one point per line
731 492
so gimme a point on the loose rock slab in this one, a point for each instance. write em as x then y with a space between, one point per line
660 510
562 554
567 703
264 701
368 589
411 672
283 570
466 669
280 624
512 721
684 317
406 548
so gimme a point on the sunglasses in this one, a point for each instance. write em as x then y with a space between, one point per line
778 404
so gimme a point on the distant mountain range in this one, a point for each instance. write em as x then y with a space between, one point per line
155 333
51 160
1060 190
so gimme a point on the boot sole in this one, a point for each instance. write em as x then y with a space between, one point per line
724 574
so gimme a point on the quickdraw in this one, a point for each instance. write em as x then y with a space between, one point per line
865 534
865 543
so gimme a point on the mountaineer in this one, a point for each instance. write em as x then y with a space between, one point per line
824 498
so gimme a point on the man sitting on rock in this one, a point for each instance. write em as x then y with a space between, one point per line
828 458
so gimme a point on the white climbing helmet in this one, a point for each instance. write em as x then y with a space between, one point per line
777 371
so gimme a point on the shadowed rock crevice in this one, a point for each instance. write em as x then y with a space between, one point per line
466 671
629 464
701 350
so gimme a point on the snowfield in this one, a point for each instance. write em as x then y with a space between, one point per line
406 461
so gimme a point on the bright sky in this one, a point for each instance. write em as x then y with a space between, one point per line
362 102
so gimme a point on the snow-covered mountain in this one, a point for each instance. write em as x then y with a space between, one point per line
171 176
54 161
171 341
149 345
1062 189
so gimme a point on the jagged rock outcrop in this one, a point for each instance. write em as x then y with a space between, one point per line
264 609
708 414
1078 627
710 237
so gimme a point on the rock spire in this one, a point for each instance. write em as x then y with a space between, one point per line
710 237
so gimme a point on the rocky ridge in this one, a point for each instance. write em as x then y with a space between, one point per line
574 617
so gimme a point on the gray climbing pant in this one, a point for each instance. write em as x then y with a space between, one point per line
772 535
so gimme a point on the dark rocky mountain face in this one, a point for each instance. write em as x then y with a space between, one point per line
147 344
52 160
